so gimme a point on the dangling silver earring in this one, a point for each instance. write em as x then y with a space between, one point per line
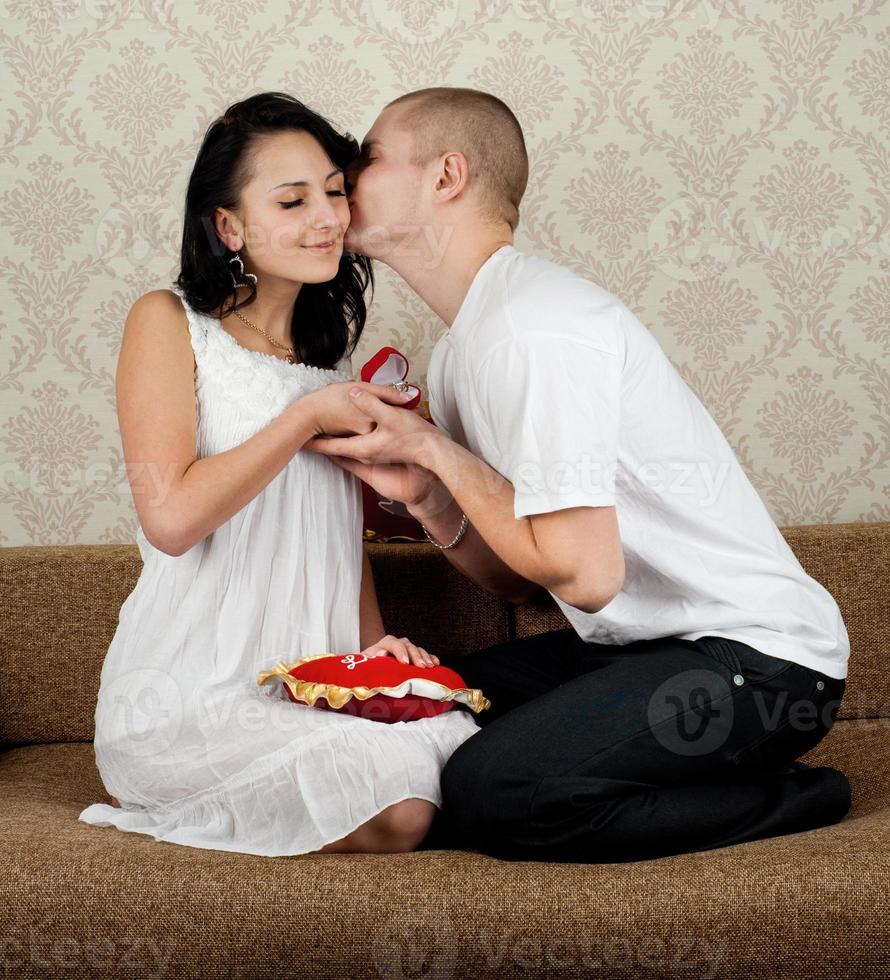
242 277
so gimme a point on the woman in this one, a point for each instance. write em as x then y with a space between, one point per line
252 548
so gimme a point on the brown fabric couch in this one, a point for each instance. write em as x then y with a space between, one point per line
85 901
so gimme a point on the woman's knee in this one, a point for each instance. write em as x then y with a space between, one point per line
399 827
404 825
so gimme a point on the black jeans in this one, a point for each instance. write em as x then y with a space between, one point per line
599 753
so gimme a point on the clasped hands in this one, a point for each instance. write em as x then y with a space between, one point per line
362 429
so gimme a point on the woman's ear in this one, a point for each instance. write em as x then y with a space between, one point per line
225 226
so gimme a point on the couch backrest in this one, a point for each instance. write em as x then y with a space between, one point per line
59 608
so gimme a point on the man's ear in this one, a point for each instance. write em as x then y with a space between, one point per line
454 172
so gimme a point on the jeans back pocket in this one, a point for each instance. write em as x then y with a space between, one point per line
783 709
797 709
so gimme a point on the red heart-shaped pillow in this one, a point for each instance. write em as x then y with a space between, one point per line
380 688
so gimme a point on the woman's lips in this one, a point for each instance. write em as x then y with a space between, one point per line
321 249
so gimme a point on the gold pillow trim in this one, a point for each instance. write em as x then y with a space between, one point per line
336 696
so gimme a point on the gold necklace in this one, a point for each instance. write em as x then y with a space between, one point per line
291 356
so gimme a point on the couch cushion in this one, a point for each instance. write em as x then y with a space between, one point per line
762 908
852 561
59 609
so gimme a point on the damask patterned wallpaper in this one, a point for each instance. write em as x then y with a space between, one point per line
723 166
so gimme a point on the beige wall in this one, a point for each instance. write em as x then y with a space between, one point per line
722 166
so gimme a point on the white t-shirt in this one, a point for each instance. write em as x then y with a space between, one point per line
554 383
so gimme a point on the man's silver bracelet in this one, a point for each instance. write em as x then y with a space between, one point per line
464 524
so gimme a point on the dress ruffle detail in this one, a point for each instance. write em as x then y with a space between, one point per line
306 794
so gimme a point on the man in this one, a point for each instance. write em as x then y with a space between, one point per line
570 455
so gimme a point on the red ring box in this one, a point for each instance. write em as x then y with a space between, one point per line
387 367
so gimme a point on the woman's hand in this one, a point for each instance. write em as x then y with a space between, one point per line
334 413
403 650
410 483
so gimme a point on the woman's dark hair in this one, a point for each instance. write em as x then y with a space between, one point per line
323 311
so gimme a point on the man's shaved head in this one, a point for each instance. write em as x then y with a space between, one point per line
481 127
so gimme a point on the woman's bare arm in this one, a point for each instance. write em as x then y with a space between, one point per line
180 499
371 627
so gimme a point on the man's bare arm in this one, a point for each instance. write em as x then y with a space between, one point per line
472 556
574 552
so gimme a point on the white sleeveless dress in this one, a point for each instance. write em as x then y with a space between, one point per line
196 751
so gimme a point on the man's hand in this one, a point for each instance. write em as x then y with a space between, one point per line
389 458
407 483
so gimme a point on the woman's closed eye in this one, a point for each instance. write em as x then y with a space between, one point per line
299 200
